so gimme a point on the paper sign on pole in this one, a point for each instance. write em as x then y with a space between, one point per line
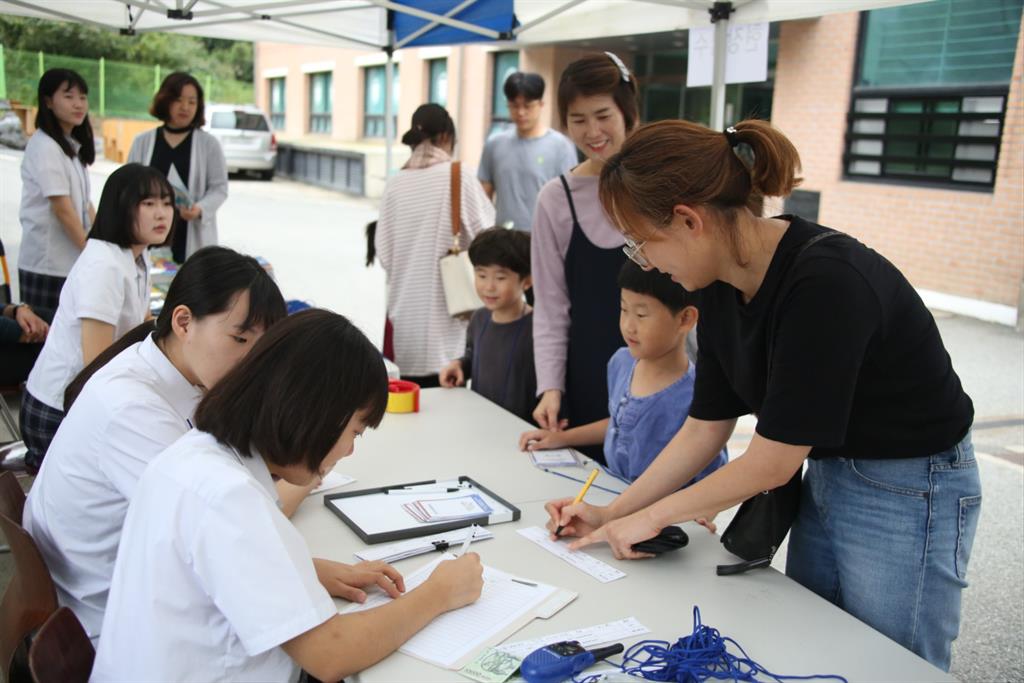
746 55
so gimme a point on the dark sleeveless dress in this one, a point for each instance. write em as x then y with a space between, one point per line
591 276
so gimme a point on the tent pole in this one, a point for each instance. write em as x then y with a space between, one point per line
720 12
389 127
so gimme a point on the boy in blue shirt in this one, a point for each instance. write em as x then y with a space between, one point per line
499 341
650 381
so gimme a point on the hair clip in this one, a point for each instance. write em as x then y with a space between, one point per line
730 135
622 67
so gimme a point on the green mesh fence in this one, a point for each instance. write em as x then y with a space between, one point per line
116 89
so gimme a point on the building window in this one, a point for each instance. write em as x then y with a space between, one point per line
373 101
505 64
277 103
664 94
930 96
320 102
437 74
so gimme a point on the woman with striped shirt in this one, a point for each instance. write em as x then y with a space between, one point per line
413 232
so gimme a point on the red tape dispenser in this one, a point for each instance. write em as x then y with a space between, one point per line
403 396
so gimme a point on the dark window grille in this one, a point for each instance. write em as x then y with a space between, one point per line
938 137
929 105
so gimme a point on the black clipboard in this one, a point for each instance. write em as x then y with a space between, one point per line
415 529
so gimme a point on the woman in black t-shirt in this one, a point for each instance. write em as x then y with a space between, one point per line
830 346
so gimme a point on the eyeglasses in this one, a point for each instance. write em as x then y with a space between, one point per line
634 250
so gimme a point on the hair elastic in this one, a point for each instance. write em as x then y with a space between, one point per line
730 135
622 67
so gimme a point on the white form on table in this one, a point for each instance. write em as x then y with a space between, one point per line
588 636
601 571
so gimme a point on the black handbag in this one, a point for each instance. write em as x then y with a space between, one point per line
760 525
762 522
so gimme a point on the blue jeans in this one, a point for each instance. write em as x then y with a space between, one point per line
888 541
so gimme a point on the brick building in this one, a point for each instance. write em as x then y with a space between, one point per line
908 120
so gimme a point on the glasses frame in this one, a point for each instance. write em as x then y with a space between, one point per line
634 250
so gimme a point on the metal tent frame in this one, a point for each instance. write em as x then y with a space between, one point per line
368 24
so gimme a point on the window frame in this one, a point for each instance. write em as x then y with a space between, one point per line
925 93
277 117
498 93
321 123
430 80
378 119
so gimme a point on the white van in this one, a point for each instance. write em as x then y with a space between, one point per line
245 136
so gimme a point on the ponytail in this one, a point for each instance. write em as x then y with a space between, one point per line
775 163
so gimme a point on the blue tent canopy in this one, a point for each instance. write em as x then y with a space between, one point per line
496 15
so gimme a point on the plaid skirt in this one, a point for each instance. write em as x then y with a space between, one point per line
39 423
41 292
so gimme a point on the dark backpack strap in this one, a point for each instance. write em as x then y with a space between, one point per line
568 195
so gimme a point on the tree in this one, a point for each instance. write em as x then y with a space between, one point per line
217 57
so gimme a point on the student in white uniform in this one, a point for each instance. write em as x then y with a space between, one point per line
106 294
212 582
139 398
55 209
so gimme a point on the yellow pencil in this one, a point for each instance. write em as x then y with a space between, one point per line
579 496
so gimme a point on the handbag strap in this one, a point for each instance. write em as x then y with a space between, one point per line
456 191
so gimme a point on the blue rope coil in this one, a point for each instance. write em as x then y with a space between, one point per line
703 655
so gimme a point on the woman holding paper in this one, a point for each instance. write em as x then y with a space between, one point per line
191 159
212 582
833 350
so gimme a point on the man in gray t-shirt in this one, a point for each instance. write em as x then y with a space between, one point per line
516 163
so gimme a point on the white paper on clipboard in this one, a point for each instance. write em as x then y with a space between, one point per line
377 513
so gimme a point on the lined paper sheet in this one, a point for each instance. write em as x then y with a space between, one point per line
458 633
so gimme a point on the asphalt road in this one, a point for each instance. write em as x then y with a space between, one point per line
315 240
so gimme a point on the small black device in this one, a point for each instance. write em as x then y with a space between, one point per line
668 539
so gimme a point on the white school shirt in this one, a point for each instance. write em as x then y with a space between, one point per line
211 577
107 283
127 414
46 171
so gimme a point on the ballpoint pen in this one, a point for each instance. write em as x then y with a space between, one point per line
469 539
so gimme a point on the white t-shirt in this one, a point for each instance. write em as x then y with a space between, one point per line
46 171
211 577
127 414
107 283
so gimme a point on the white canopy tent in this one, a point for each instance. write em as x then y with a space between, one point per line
365 23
